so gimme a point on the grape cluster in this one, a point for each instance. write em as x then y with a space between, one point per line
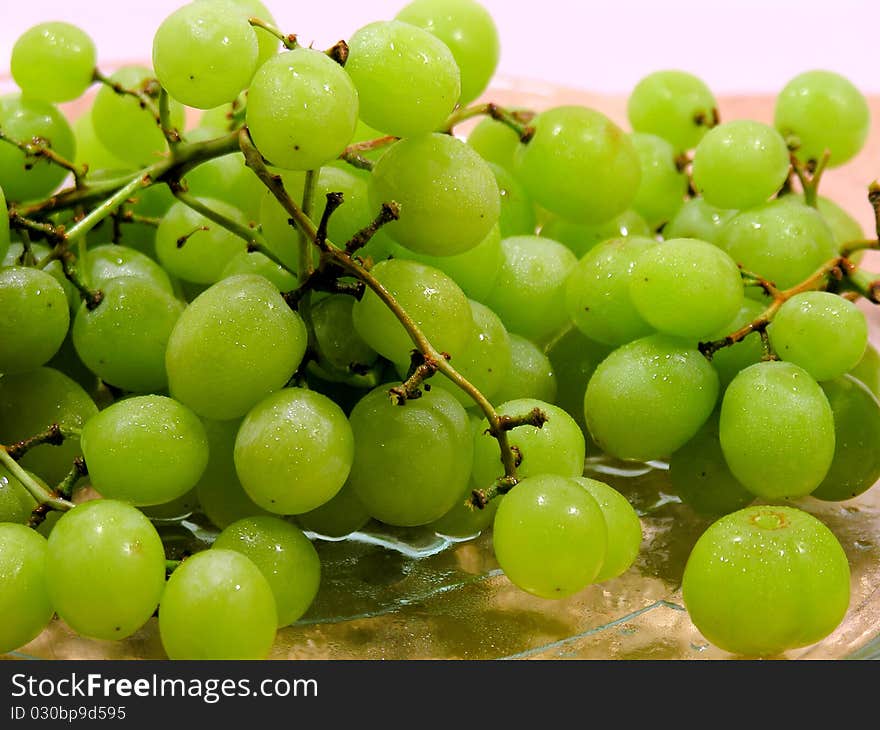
319 305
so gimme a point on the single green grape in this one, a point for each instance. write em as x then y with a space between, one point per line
256 263
217 605
574 358
740 164
530 375
267 42
697 219
822 332
664 186
341 349
728 361
34 321
550 536
674 105
582 238
105 569
777 430
16 503
112 261
223 382
286 558
341 516
649 397
145 450
25 606
407 80
495 142
53 61
517 216
843 226
766 579
573 143
598 293
464 521
868 370
686 287
293 451
91 152
411 462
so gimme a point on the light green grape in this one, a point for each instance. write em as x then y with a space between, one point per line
574 358
286 558
29 403
105 569
822 111
530 375
407 79
22 119
222 382
517 216
649 397
90 151
868 370
16 503
16 256
341 516
728 361
495 142
573 143
823 333
220 56
145 450
766 579
697 219
430 298
53 61
674 105
226 178
268 43
217 605
686 287
582 238
411 462
740 164
112 261
293 451
448 196
25 606
339 344
34 321
256 263
464 521
777 430
557 447
302 109
623 526
598 295
663 187
550 536
529 293
844 227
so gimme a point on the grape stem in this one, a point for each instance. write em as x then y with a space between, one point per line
306 265
39 147
168 129
287 40
42 495
518 121
146 95
77 472
54 435
810 175
874 200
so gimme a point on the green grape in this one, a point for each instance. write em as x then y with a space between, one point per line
598 292
530 375
4 226
22 119
223 382
582 238
124 127
112 261
701 477
728 361
777 430
517 216
495 142
407 80
196 249
823 111
574 358
34 318
90 152
686 287
623 526
123 340
105 569
475 270
29 403
268 43
557 447
697 219
464 521
821 332
573 143
25 607
256 263
341 516
227 179
856 464
286 558
293 451
782 241
302 109
843 226
217 605
411 462
53 62
740 164
550 536
431 299
447 194
365 133
16 503
529 293
868 370
145 450
663 187
217 121
766 579
176 509
220 494
648 398
339 344
220 58
68 362
674 105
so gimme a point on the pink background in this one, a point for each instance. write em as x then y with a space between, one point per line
734 45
